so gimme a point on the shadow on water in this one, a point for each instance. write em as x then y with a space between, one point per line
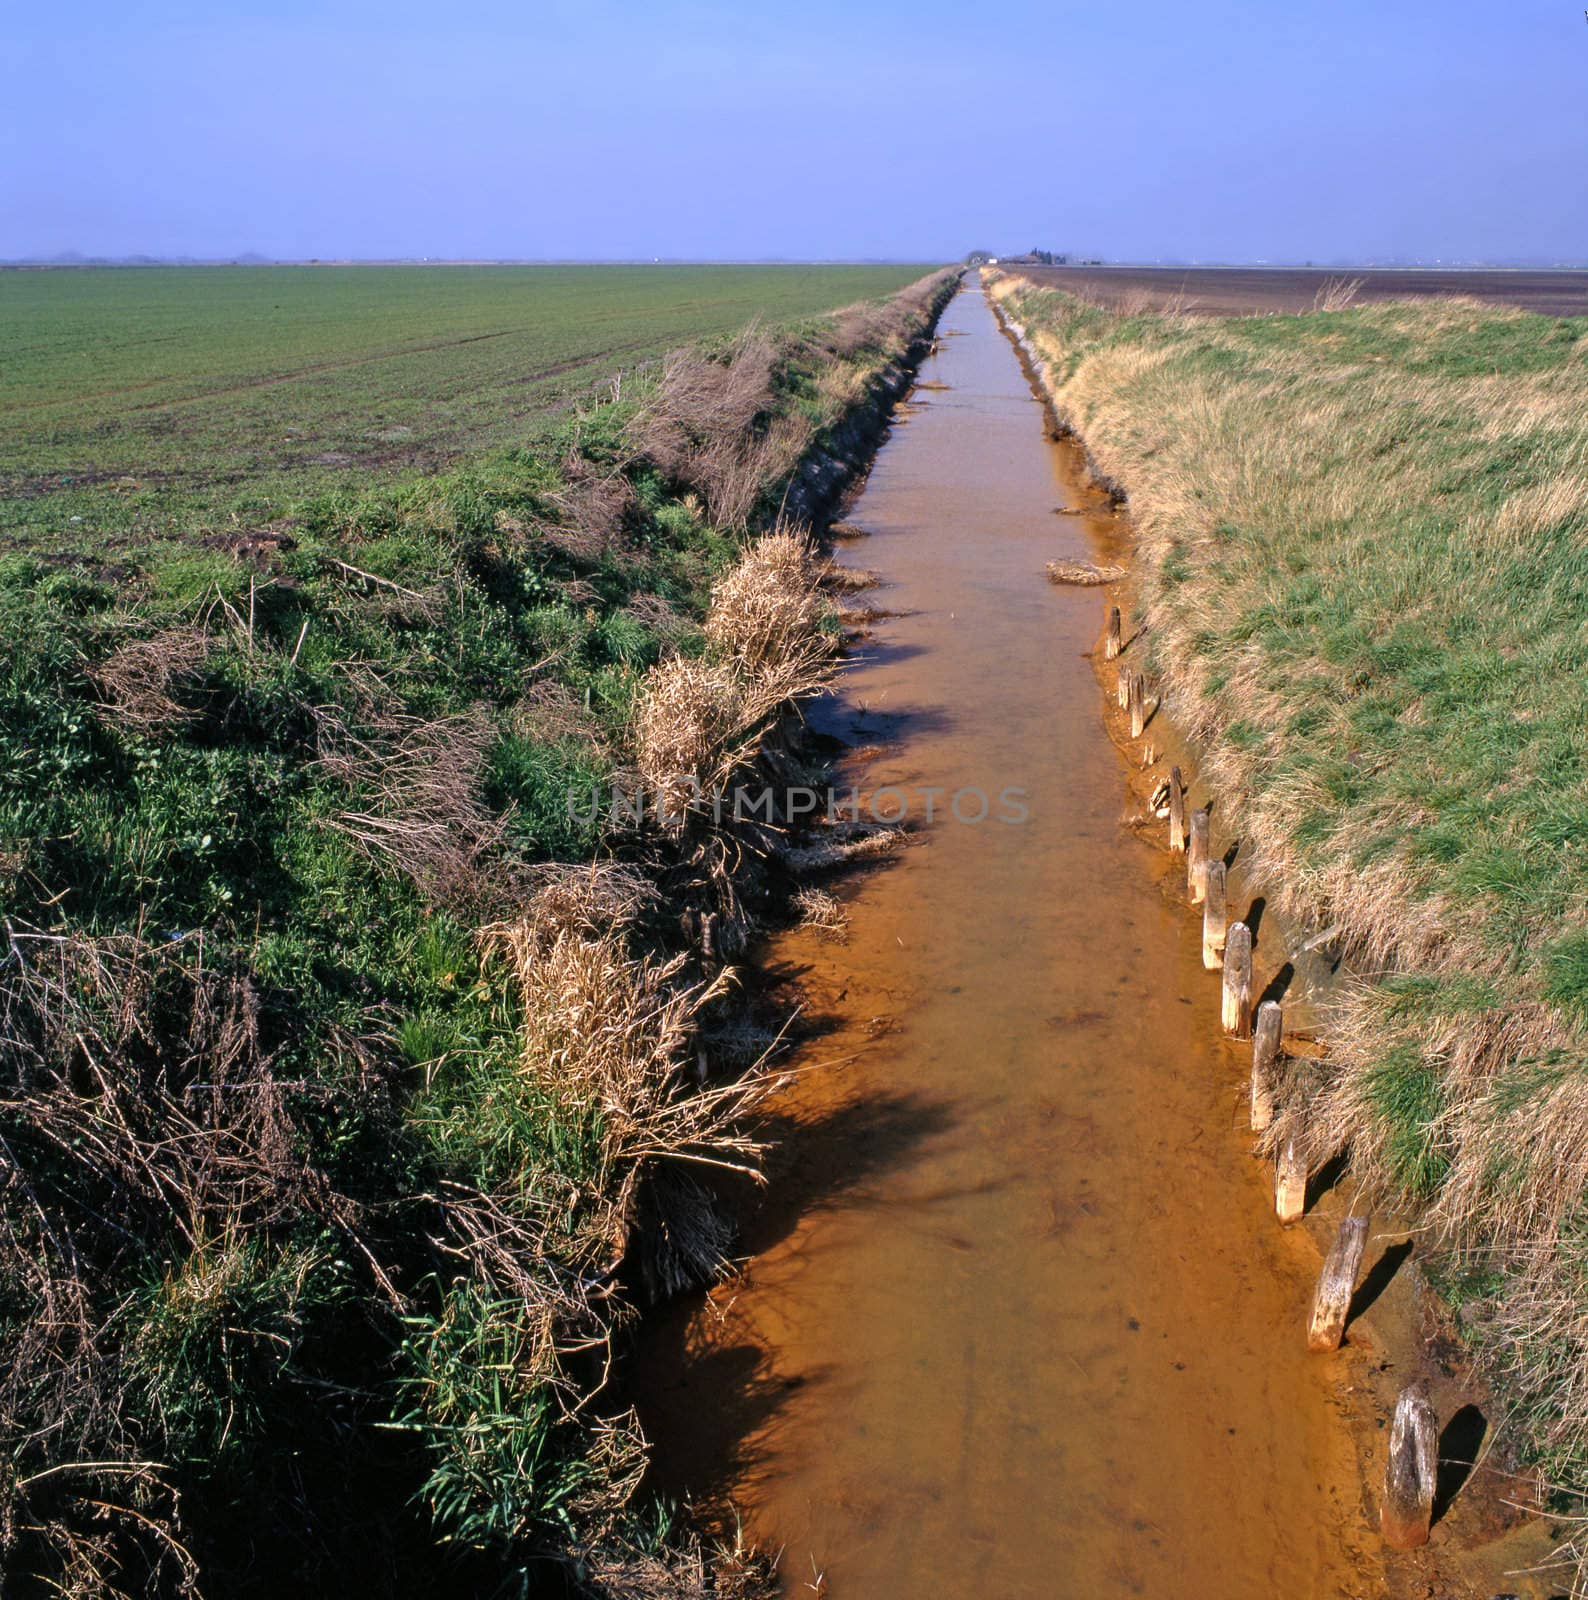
1324 1179
690 1365
825 1158
1279 985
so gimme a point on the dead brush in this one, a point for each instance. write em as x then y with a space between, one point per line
419 782
698 1570
137 679
552 711
143 1119
1082 573
699 427
590 899
598 502
820 910
610 1035
885 325
847 580
99 1531
697 721
767 608
654 614
688 717
683 1235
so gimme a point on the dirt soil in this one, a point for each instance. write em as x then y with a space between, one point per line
1238 291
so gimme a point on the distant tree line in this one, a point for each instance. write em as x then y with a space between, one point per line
1033 257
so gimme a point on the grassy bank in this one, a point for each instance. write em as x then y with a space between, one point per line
169 400
353 1086
1362 564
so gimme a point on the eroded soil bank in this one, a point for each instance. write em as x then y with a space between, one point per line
1018 1318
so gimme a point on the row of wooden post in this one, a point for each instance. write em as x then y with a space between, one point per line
1406 1510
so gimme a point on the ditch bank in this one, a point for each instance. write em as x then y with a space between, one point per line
344 1067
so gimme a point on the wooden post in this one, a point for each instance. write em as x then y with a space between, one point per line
1215 916
708 935
1124 687
1138 705
1336 1285
1265 1063
1237 1007
1290 1191
1411 1471
1111 641
1176 811
1197 857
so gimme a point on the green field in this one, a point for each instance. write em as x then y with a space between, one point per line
152 401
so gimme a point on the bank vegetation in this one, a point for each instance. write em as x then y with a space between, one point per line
356 1088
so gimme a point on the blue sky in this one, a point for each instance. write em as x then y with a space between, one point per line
869 128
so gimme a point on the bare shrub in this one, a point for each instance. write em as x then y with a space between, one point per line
552 711
733 470
699 395
885 326
703 428
137 678
652 612
860 327
420 782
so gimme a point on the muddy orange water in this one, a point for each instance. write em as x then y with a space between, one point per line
1018 1320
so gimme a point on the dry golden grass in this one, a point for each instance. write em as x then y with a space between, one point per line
820 910
697 720
768 608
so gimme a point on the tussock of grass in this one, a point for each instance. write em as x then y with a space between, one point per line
1362 560
697 720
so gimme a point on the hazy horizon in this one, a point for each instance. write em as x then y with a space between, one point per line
693 131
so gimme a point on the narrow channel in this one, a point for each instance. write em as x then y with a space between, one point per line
1018 1320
